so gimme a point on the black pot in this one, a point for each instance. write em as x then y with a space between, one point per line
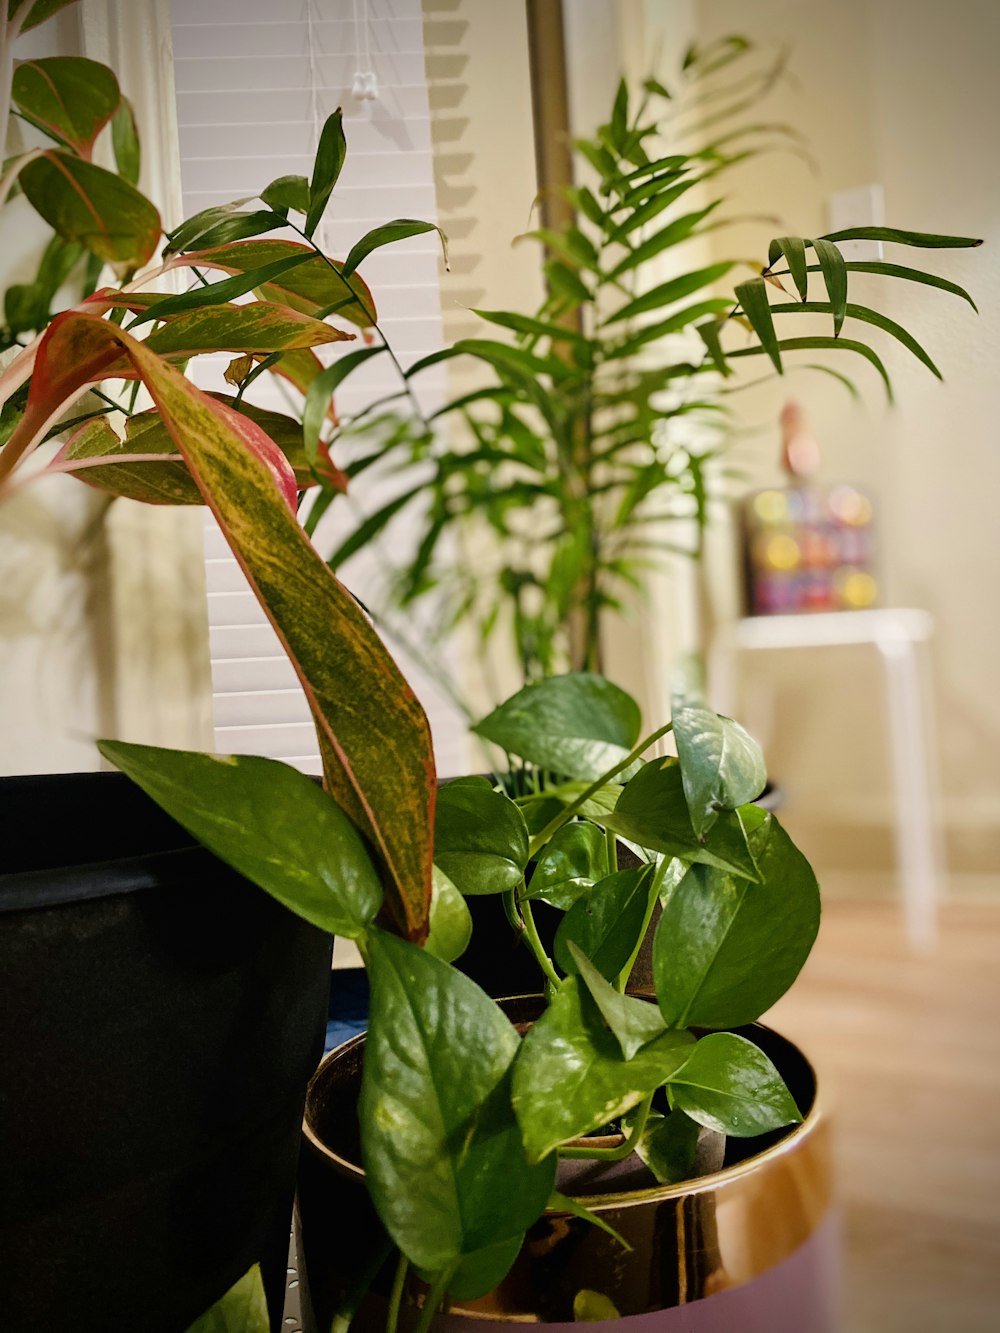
160 1020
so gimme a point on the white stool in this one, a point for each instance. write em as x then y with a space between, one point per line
897 634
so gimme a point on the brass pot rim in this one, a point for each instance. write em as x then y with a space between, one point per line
631 1198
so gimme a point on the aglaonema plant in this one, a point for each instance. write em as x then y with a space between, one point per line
463 1122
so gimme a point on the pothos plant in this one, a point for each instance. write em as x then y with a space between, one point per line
562 473
463 1123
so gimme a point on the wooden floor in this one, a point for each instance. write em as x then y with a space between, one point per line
909 1057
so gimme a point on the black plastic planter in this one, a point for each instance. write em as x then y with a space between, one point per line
160 1018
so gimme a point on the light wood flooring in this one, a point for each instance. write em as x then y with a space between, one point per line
908 1052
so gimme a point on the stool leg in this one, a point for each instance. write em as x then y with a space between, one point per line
915 836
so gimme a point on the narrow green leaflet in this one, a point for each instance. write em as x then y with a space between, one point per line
728 1084
925 240
451 921
819 344
834 270
669 1146
564 1203
85 203
570 1078
753 297
574 858
721 764
794 250
318 394
604 925
668 292
220 292
330 154
725 949
867 316
652 811
70 98
268 821
577 725
399 230
444 1161
910 275
533 328
633 1021
243 1309
480 838
680 229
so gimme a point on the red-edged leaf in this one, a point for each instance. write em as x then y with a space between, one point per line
312 286
85 203
68 97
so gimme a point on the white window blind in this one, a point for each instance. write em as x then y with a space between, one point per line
254 81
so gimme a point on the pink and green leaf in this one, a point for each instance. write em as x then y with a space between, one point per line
69 98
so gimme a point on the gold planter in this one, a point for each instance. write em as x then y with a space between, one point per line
748 1249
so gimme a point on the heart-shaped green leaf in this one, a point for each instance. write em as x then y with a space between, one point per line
577 725
721 764
725 949
728 1084
633 1021
669 1146
605 923
570 1078
68 97
575 858
268 821
443 1155
652 811
451 921
480 838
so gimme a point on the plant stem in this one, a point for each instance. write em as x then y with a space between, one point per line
434 1298
351 1302
535 943
624 1149
611 848
396 1294
564 816
621 980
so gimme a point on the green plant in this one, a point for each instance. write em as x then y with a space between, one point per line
462 1123
578 451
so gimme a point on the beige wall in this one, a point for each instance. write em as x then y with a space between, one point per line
902 93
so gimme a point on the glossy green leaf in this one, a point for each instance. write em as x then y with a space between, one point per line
330 154
753 297
867 316
728 1084
725 949
710 333
195 228
834 271
570 1078
593 1307
721 764
574 858
794 250
150 483
320 391
444 1161
85 203
258 327
268 821
125 143
668 292
243 1309
633 1021
387 234
480 838
605 924
287 192
70 98
926 240
451 921
535 328
669 1146
219 293
652 811
577 725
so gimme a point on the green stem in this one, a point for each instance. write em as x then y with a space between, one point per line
654 892
624 1149
348 1307
611 849
434 1298
396 1294
535 943
564 816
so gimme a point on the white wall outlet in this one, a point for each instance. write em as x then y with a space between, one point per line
864 206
